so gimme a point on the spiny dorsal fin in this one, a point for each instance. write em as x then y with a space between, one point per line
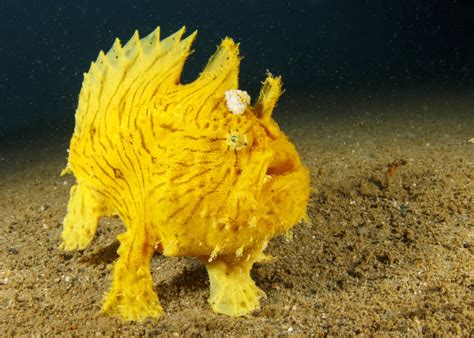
220 74
269 95
123 80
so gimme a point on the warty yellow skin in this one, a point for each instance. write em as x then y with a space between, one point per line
185 175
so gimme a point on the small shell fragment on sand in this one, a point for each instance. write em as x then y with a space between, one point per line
471 140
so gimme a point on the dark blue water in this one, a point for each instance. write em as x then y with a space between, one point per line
318 46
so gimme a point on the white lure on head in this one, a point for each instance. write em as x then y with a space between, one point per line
237 100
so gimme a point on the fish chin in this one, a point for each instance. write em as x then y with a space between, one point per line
285 197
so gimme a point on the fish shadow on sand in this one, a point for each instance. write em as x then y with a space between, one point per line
193 279
104 255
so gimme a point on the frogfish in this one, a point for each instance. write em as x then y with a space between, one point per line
191 169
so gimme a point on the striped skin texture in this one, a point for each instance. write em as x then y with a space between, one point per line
185 175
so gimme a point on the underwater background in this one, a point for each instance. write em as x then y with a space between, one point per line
318 46
379 102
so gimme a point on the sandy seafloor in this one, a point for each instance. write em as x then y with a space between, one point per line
390 250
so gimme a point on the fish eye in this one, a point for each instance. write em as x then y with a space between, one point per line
237 141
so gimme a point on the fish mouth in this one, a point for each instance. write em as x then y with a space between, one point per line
285 191
285 174
282 164
281 167
277 174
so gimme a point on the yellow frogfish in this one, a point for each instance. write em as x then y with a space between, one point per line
191 170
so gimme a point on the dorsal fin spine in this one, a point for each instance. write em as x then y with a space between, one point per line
140 65
151 42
